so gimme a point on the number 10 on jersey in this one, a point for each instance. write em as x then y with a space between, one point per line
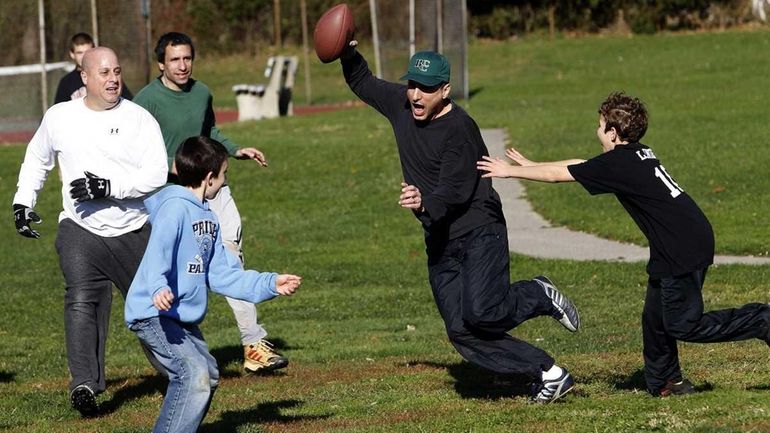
673 188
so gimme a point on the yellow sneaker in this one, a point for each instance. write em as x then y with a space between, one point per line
260 357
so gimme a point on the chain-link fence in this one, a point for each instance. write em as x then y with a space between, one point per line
405 27
118 25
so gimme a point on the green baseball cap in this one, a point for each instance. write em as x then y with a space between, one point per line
428 68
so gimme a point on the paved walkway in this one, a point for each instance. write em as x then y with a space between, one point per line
530 234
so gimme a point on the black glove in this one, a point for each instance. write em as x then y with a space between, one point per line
23 216
89 188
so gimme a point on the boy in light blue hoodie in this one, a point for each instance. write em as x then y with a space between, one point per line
168 297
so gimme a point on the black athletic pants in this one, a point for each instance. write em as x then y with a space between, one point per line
673 310
471 285
91 264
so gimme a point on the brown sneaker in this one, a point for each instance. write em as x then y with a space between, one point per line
677 388
260 357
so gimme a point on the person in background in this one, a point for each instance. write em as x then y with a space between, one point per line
183 108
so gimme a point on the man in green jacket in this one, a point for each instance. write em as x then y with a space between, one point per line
183 108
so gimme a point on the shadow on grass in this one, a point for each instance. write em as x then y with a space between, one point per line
234 354
269 412
475 382
149 385
7 376
633 382
759 388
636 382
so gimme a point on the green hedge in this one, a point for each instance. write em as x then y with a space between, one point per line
501 20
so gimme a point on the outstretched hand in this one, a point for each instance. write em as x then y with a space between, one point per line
518 158
287 284
251 153
494 167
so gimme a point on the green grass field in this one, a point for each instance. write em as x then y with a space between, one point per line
367 347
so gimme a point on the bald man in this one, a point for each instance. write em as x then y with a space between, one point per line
71 85
111 155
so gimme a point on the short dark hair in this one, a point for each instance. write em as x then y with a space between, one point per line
196 157
173 39
81 39
626 114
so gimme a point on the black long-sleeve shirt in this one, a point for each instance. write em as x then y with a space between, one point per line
437 156
680 236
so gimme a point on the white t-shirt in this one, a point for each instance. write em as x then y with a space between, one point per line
123 144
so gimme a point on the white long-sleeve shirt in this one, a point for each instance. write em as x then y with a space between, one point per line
123 144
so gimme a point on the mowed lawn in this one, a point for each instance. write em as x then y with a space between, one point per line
367 347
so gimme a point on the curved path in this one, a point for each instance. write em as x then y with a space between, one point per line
531 235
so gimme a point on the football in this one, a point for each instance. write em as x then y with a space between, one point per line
333 32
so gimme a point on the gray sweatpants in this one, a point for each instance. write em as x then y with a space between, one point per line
229 218
91 264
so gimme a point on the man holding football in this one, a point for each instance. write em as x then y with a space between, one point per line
465 230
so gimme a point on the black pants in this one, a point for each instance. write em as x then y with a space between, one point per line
471 285
673 310
91 264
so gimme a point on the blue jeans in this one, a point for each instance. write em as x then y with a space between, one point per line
192 372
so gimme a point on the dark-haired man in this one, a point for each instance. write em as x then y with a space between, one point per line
183 108
465 232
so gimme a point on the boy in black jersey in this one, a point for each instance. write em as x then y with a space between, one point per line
462 217
680 237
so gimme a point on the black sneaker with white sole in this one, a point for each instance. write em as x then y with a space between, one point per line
548 391
83 400
566 312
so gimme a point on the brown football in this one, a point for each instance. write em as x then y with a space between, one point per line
333 32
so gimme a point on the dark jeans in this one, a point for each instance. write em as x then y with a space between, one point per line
471 285
673 310
91 264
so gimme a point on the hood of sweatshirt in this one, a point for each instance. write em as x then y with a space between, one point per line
154 202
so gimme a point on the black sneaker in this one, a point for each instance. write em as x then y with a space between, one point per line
83 400
548 391
683 387
566 312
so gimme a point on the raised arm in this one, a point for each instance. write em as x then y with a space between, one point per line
383 96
